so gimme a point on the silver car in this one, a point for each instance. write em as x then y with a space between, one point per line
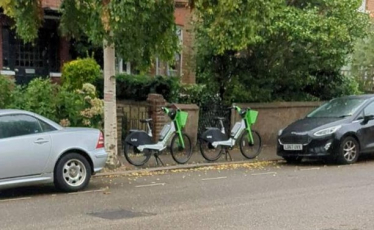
36 150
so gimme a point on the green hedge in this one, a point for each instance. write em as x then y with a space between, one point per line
137 87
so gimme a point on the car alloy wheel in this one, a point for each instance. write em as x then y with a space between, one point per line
350 150
74 172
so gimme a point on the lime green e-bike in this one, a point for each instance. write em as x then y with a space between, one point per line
138 145
214 141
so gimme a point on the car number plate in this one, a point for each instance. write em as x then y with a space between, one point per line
293 147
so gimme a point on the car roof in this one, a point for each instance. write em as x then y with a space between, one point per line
12 111
18 111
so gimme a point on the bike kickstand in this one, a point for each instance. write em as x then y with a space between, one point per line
158 159
227 154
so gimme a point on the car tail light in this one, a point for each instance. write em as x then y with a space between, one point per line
100 142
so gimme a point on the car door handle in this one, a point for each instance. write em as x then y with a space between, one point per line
41 141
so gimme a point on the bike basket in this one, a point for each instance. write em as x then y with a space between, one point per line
182 118
252 116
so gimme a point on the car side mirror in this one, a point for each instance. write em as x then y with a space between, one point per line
368 118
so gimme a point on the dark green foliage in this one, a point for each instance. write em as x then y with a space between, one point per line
196 94
137 87
296 55
6 88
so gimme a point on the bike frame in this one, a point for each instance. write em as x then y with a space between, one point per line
162 144
240 126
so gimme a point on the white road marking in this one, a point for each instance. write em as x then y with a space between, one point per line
215 178
16 199
266 173
149 185
308 169
89 191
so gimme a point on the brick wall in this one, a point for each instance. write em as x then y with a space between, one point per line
370 5
51 3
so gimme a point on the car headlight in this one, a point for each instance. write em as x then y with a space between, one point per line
327 131
280 132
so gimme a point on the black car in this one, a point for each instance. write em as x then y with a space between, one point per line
340 129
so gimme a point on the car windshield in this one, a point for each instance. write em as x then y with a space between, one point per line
339 107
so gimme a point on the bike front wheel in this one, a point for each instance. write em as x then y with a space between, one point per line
209 152
248 149
134 156
181 155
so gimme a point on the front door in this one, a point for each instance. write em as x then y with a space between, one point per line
30 60
24 148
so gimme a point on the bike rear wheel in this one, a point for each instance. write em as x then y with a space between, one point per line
134 156
209 152
248 149
181 155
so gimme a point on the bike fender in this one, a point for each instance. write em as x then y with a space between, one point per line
139 137
212 135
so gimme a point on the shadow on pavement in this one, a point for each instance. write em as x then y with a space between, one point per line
41 190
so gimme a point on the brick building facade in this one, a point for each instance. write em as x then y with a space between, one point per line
51 51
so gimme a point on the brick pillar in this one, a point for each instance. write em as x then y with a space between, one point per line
156 101
64 51
120 115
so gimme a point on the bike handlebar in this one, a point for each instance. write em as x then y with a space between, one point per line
167 110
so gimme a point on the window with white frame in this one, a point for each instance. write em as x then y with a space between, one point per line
175 69
363 6
127 67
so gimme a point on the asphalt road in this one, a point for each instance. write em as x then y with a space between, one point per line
307 196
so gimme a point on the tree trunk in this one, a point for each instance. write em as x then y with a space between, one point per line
110 108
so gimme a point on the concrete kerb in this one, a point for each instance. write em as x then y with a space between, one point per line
176 167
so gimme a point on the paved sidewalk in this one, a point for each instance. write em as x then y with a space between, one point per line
268 153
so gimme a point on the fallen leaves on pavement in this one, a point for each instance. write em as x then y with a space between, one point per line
226 166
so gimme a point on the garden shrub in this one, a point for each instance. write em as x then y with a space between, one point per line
194 94
6 87
137 87
39 96
77 72
68 107
80 107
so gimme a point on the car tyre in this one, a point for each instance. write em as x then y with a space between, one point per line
348 151
293 159
72 173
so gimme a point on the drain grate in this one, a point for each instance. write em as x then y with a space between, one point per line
120 214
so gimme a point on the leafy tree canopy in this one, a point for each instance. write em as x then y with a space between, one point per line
139 29
291 50
362 60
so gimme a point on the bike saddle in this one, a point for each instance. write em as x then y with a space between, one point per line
145 120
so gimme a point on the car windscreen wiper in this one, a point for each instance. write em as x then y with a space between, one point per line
344 116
